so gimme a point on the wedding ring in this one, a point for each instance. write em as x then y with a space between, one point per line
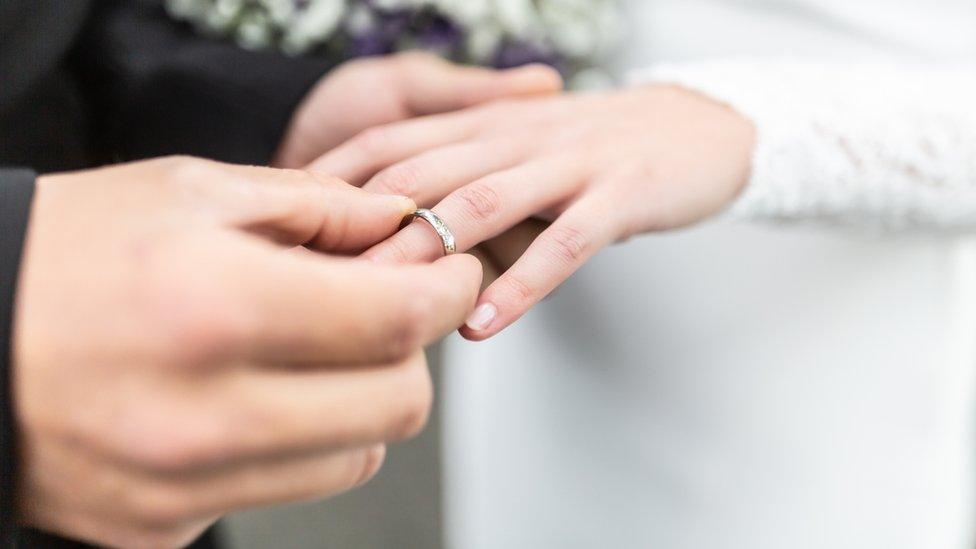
445 234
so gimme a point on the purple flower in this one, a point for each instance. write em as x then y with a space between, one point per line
393 30
438 33
369 44
388 27
368 29
515 54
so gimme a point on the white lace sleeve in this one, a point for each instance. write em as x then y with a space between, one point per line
884 146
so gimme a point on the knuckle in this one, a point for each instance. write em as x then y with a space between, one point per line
207 336
480 202
399 249
568 245
165 440
405 335
374 141
414 409
402 179
198 317
175 160
422 306
320 181
190 171
519 288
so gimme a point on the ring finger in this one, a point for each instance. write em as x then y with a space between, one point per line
486 208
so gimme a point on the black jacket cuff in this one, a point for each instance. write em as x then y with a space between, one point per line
16 192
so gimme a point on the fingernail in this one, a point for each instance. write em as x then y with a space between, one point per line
535 74
482 317
404 203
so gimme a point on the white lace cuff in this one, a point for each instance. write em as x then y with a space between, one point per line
876 145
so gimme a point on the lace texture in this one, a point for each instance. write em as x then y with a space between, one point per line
882 146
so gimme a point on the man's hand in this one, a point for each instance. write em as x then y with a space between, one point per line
379 90
175 361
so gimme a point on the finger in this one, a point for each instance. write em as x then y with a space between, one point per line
190 497
361 157
247 414
309 309
484 209
311 478
558 252
296 207
433 85
292 411
431 176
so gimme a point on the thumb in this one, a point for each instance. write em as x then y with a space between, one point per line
296 207
432 85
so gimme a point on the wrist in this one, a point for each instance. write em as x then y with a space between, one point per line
696 151
728 130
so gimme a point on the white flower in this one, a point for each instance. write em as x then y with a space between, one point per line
580 28
398 4
483 41
577 31
280 12
518 18
254 31
223 15
360 20
187 9
312 25
470 13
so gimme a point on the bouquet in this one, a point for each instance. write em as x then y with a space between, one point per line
570 35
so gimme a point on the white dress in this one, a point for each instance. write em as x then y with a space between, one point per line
751 383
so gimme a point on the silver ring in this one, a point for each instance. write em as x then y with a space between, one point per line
445 234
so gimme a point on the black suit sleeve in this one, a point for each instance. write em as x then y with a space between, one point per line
16 192
159 88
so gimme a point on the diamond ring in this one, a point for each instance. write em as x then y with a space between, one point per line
445 234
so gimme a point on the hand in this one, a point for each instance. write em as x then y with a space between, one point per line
600 167
373 91
175 361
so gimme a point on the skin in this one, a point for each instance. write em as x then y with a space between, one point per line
599 167
375 91
210 363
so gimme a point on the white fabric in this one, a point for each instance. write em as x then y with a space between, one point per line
877 144
748 385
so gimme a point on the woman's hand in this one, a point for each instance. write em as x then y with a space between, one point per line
379 90
600 167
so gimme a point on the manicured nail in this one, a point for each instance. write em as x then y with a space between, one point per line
482 317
